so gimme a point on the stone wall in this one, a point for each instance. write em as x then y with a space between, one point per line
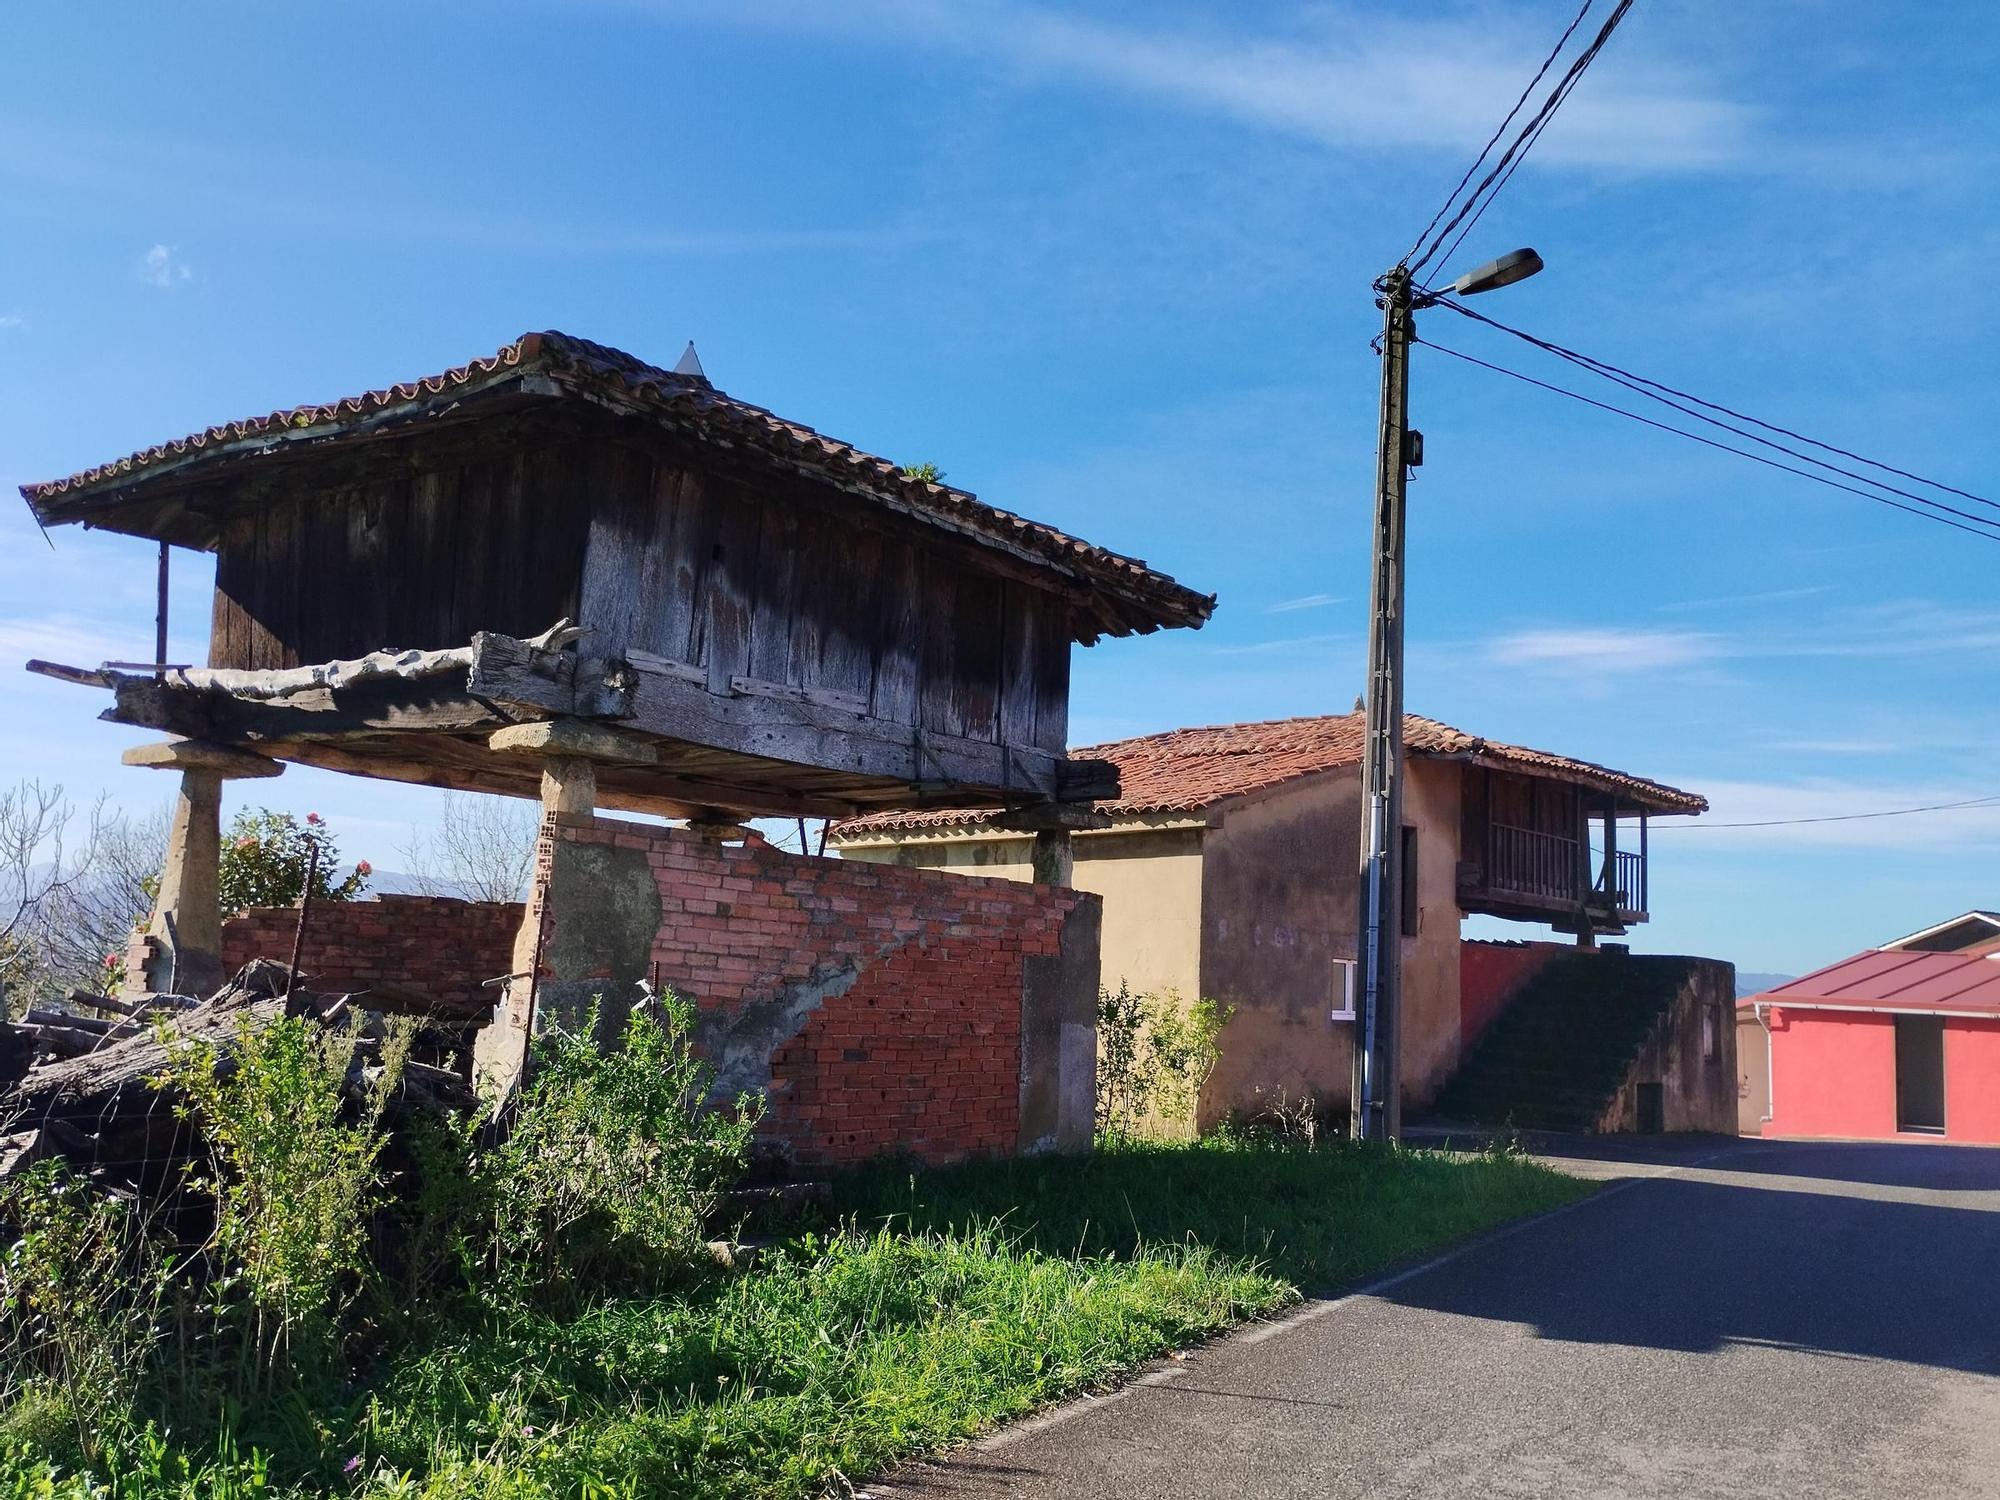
439 947
1688 1064
881 1010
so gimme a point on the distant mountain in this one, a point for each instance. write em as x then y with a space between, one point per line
1749 982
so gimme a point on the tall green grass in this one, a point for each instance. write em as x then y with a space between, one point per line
942 1303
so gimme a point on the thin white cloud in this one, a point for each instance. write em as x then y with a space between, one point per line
161 267
69 639
1738 601
1266 648
11 320
1338 76
1597 650
1304 601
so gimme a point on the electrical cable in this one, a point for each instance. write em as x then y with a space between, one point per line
1531 130
1894 812
1978 526
1639 385
1501 129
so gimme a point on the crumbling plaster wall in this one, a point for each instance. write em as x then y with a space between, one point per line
1691 1055
881 1010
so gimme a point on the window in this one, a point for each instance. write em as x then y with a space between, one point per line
1409 882
1343 989
1711 1035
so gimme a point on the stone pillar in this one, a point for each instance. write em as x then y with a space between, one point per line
569 906
1054 858
180 948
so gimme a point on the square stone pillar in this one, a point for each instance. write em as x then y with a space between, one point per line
180 948
586 934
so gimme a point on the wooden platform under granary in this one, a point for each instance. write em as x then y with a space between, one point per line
772 621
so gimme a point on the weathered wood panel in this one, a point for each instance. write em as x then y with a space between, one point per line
423 561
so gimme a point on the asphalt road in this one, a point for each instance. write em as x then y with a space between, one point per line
1724 1319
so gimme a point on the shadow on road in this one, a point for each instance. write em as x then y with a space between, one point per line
1700 1262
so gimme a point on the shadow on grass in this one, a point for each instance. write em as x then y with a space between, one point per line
1319 1217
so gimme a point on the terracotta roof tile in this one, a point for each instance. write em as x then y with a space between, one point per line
1132 597
1186 770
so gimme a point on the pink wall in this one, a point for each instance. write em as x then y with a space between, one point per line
1835 1075
1489 974
1972 1081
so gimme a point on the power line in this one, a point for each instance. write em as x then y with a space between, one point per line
1500 129
1978 527
1653 389
1894 812
1529 133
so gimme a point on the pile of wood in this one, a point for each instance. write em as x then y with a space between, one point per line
98 1092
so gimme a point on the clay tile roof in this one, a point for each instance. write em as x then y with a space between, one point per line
1187 770
1128 596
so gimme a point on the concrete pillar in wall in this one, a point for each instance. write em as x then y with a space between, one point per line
180 948
587 929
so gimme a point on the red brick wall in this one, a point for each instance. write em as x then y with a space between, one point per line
436 945
881 1008
1489 975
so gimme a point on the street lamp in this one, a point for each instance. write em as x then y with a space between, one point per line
1376 1096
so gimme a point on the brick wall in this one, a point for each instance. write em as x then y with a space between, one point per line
437 946
880 1009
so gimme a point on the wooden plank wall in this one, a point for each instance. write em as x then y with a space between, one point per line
419 561
778 582
755 580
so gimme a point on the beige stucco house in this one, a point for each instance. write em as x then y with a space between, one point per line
1229 871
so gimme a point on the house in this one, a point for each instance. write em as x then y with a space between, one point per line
1228 867
1901 1041
561 572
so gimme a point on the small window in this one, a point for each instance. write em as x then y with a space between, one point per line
1409 882
1711 1035
1343 989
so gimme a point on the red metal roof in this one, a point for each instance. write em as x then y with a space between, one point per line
1185 770
1896 979
1129 596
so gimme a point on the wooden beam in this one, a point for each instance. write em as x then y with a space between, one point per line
1043 817
424 705
574 738
225 761
662 701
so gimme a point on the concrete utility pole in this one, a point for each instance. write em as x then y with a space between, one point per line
1376 1109
1376 1095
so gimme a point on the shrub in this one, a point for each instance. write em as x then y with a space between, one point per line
615 1159
265 856
295 1182
80 1291
1154 1052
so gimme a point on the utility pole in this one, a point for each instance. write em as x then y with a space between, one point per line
1376 1109
1376 1094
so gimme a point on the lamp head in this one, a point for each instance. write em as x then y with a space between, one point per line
1515 265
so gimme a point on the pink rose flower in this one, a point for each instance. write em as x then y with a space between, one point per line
362 867
314 818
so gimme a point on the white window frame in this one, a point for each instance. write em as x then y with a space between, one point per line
1343 989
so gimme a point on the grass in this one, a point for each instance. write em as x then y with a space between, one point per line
945 1301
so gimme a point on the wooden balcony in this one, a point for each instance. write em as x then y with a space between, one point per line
1533 875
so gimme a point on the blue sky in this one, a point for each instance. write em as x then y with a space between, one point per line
1108 266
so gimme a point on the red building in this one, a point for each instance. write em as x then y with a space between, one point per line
1894 1042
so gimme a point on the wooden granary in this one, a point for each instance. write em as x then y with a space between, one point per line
775 621
561 555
